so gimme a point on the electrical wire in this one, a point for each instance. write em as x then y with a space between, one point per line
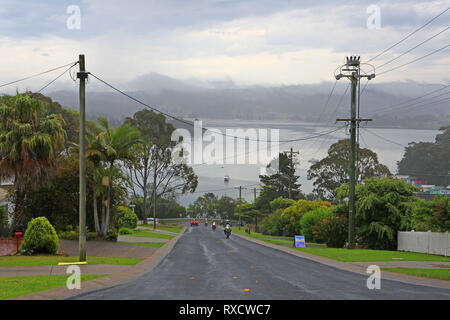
409 50
193 125
37 74
73 65
383 138
415 60
409 35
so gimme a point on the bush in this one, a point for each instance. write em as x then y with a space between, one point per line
125 217
272 224
111 235
4 225
333 231
74 235
40 237
123 231
310 222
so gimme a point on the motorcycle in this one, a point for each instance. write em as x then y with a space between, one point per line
214 227
227 231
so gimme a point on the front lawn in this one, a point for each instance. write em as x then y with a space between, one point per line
22 285
443 274
367 255
149 234
48 260
146 244
170 228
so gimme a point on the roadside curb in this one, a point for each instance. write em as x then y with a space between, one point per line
115 279
346 266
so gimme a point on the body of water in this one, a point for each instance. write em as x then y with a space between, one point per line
389 144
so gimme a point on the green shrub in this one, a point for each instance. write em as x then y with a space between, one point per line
111 235
124 231
40 237
311 220
74 235
125 217
333 231
4 225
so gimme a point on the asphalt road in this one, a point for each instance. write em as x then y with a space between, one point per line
205 265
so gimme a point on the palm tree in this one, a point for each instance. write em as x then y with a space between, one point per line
112 146
29 145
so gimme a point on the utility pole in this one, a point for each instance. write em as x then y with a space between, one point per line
254 195
352 71
154 194
82 75
240 203
292 166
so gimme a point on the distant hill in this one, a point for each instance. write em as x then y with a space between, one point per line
297 102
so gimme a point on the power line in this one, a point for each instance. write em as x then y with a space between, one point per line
37 74
192 124
409 50
415 60
417 104
73 65
383 138
409 100
409 35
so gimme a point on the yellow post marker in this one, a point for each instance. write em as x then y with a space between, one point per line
70 263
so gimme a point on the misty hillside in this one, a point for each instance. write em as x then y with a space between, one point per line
296 102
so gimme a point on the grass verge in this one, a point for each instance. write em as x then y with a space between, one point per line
147 234
367 255
48 260
170 228
146 244
22 285
442 274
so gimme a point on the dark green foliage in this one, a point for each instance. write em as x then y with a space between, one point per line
4 226
428 161
430 215
311 221
280 175
333 230
125 217
40 237
111 235
381 208
333 171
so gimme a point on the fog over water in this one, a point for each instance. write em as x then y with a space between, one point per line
211 176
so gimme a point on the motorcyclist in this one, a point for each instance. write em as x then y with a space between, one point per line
227 230
206 222
214 225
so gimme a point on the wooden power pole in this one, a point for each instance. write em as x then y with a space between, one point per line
82 75
352 71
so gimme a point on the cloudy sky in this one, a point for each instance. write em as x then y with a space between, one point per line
276 42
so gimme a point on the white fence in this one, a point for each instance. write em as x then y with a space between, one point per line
424 242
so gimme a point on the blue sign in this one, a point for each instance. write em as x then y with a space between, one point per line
299 241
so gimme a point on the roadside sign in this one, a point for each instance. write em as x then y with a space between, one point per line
299 241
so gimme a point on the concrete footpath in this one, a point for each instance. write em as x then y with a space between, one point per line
361 267
118 277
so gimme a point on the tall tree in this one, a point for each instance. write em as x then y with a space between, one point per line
280 176
113 146
428 161
153 164
333 170
29 145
